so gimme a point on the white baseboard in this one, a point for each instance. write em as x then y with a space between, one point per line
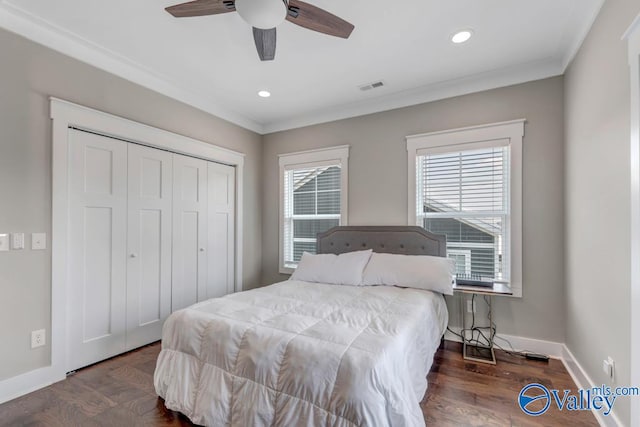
554 350
22 384
583 381
550 348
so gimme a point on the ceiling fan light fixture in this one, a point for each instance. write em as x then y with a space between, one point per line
461 36
264 94
263 14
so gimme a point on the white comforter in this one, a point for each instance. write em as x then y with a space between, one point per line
302 354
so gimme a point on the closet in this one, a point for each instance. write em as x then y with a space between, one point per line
150 232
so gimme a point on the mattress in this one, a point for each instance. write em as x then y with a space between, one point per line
302 354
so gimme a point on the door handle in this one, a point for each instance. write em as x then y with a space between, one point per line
201 249
133 255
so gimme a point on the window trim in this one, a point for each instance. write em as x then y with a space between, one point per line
338 155
632 36
481 135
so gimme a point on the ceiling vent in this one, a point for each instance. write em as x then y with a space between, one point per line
370 86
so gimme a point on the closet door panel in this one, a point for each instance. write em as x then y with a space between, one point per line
189 231
149 244
190 225
97 287
97 251
221 228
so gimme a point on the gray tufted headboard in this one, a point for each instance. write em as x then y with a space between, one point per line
405 240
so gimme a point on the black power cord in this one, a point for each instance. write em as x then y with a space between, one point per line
481 340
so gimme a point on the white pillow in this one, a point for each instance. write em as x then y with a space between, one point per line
343 269
413 271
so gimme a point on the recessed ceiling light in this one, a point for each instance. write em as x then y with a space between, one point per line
461 36
264 94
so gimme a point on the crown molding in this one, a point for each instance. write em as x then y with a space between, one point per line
635 25
447 89
54 37
579 37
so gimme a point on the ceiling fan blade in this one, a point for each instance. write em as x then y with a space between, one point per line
316 19
201 8
265 43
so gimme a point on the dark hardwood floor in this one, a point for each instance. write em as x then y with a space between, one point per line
119 392
463 393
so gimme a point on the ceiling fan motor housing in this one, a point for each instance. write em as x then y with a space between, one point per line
263 14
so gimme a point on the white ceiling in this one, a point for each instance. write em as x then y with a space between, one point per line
211 62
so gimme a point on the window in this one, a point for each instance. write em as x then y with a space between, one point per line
466 184
463 195
313 188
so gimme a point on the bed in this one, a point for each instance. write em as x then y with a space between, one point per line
308 354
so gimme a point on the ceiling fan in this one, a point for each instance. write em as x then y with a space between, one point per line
265 15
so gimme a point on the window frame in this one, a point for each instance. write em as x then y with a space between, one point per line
331 156
468 138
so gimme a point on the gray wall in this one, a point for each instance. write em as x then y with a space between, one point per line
30 74
597 187
378 185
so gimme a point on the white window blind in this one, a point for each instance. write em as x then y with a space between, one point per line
313 199
312 204
464 194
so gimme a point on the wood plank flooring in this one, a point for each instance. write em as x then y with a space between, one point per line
464 393
119 392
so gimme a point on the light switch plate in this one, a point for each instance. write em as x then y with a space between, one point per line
4 242
17 240
38 241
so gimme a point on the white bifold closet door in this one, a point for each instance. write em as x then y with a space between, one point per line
150 195
203 230
189 231
221 230
97 246
151 232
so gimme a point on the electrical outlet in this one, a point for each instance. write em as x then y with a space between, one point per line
471 306
608 367
38 241
4 242
38 338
